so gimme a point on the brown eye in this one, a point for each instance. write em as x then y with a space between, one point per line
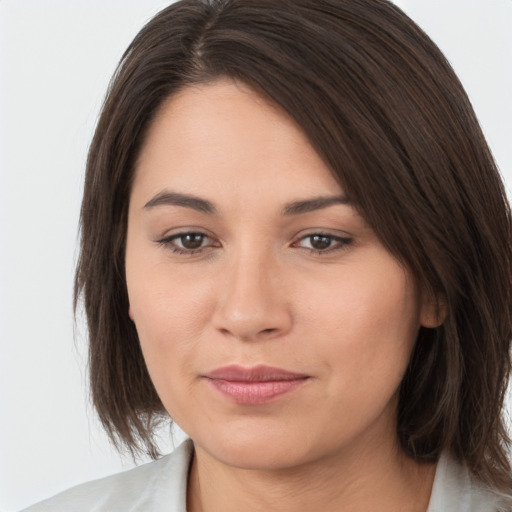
188 243
323 243
190 240
320 242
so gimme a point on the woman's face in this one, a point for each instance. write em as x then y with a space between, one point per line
275 326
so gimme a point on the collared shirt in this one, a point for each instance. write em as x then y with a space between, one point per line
161 486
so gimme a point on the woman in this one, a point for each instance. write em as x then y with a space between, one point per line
296 244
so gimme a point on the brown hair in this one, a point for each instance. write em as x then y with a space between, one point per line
384 109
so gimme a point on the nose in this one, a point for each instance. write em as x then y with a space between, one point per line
252 304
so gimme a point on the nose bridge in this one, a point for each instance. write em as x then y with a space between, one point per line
251 304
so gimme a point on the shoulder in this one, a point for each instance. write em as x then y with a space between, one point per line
455 490
157 486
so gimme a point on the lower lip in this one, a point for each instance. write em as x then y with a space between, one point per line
253 393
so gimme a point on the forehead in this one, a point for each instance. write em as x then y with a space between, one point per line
223 137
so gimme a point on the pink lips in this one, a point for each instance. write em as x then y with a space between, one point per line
257 385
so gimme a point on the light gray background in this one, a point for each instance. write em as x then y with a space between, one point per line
56 58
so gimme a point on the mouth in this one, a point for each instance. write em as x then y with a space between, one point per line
253 386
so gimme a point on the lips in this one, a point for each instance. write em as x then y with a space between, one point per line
256 385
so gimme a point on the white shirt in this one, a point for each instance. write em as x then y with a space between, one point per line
161 486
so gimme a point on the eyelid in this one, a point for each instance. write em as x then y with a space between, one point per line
184 230
343 240
167 240
340 240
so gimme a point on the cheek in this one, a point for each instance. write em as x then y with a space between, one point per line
169 314
168 325
170 310
161 311
365 327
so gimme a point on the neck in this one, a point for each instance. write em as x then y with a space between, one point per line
352 481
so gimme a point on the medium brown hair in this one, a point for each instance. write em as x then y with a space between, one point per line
384 109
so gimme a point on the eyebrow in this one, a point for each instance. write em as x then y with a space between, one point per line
204 206
311 205
185 200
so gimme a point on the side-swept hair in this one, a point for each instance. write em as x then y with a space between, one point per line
384 109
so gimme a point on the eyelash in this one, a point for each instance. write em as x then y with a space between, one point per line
168 242
340 243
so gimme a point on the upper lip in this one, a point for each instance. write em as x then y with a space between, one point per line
260 373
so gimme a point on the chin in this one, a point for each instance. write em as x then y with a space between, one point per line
254 449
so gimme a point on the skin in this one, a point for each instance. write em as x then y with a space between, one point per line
258 290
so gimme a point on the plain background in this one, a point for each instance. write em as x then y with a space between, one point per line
56 58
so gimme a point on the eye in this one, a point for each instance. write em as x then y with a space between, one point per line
188 243
323 242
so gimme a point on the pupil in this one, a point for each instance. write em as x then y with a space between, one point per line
320 242
192 241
